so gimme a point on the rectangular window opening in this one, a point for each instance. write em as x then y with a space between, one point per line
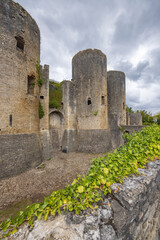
20 42
10 120
31 84
103 100
41 97
89 101
62 105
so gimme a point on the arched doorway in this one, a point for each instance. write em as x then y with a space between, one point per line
56 121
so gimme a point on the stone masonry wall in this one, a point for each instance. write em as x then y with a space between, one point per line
47 149
18 153
19 52
94 141
134 119
44 97
131 212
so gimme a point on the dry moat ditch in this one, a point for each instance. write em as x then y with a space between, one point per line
32 186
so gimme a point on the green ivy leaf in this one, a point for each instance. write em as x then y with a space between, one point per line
80 189
74 182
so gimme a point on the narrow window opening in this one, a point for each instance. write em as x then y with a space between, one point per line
89 101
31 84
123 106
103 100
20 42
10 120
41 97
62 105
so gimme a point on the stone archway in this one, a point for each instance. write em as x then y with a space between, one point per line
56 122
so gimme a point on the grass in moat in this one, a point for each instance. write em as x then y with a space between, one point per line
13 209
86 191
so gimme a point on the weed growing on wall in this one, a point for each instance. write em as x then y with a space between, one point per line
39 80
86 191
55 95
95 113
41 111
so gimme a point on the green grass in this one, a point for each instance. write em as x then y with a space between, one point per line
14 209
86 191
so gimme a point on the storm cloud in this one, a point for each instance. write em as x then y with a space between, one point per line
128 32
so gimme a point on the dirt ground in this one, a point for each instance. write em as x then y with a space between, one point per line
18 192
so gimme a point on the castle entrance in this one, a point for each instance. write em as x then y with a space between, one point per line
56 121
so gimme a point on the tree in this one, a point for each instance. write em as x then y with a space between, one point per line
129 109
147 118
158 120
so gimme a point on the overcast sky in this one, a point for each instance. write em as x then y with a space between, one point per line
127 31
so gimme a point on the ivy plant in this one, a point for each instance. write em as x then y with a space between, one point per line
86 191
41 111
39 80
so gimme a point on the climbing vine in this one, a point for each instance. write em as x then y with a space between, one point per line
41 111
39 80
86 191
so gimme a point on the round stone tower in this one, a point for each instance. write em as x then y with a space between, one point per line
116 96
89 78
19 52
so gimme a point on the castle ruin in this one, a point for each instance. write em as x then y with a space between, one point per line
93 105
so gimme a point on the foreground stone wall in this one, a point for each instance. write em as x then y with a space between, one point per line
18 153
131 212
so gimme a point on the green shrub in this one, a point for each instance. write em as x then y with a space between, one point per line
55 95
54 104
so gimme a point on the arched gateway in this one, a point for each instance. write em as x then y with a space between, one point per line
56 122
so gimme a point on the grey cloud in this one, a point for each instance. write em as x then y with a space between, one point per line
138 22
133 99
133 73
118 28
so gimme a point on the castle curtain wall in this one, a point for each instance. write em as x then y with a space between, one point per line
19 91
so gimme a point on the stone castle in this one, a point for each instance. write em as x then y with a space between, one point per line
93 112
